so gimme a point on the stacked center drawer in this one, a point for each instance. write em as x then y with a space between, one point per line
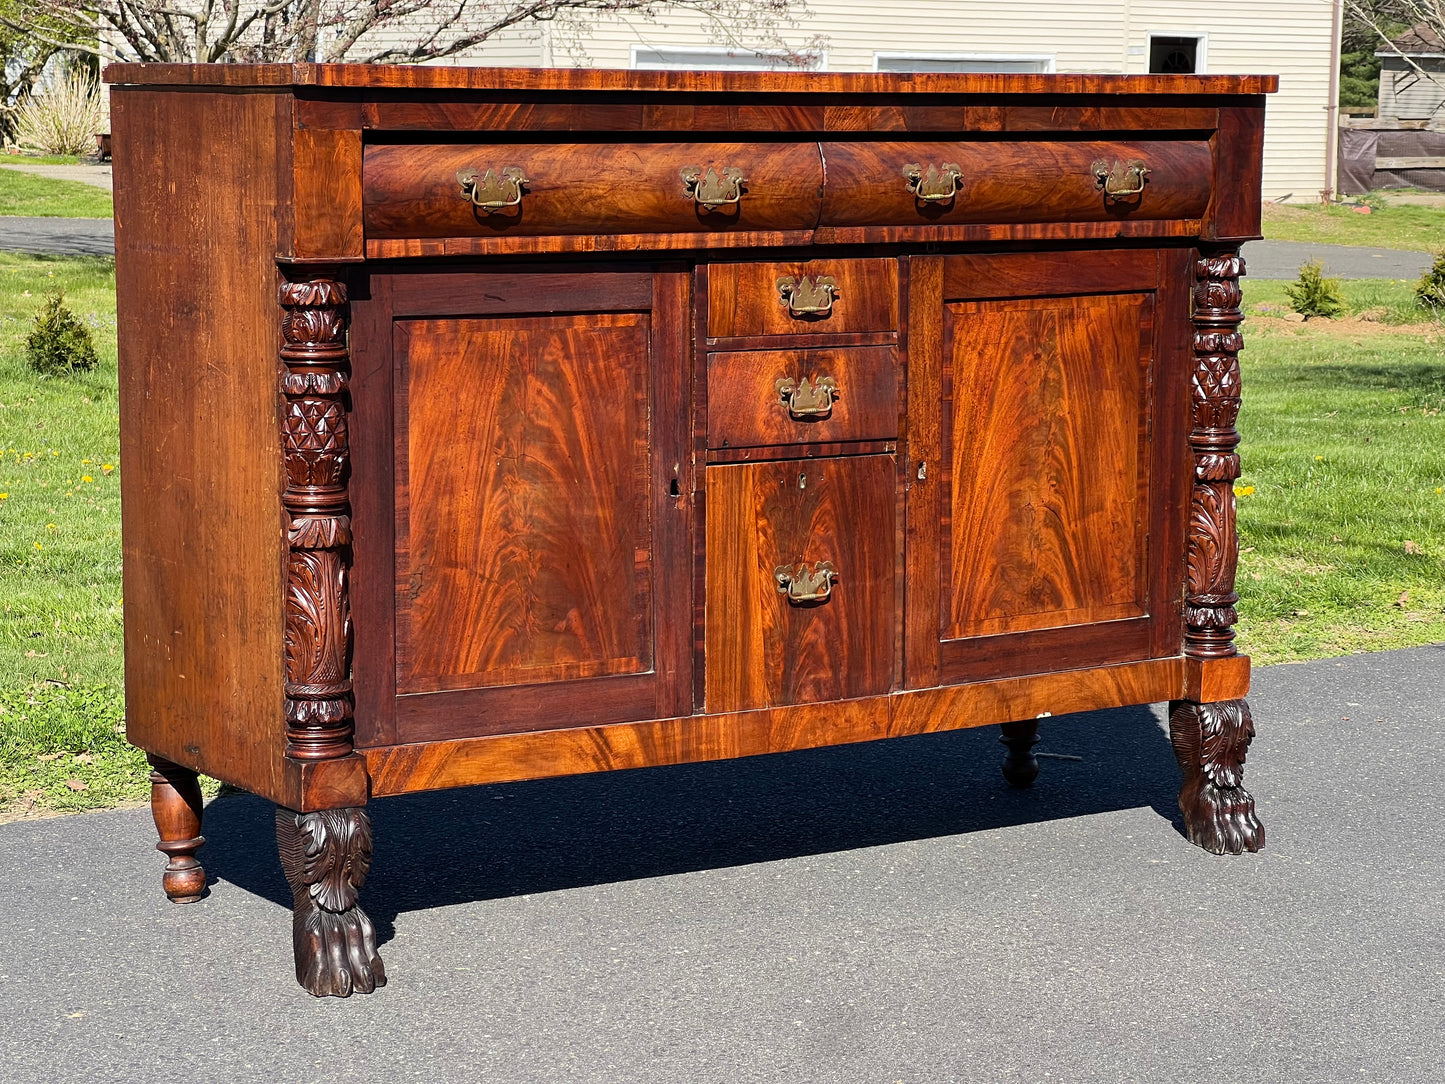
802 359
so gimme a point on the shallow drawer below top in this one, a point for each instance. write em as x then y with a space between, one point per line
802 297
532 189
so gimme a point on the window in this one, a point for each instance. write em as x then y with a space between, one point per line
1176 54
963 62
687 58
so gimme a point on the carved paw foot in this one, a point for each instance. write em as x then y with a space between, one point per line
1210 742
336 953
326 856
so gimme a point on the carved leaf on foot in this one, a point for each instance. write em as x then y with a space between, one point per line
326 856
1210 741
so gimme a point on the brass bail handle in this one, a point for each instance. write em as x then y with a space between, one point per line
936 184
1120 181
807 399
805 586
711 189
808 296
493 192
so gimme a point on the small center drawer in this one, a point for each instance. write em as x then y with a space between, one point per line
801 297
768 397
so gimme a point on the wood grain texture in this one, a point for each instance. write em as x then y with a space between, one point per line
762 649
985 275
402 769
598 188
743 298
176 808
937 233
444 77
1238 145
202 533
1208 680
326 197
562 244
526 557
745 408
1049 476
1015 181
924 473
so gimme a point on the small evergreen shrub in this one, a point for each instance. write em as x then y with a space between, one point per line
1430 290
59 343
1314 295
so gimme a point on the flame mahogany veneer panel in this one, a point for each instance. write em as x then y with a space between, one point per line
1049 465
524 550
762 650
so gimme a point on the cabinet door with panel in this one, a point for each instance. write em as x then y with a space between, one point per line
1044 412
540 540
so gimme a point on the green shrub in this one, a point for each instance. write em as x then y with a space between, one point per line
1430 290
1314 295
59 343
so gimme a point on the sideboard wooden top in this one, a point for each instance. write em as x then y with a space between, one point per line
448 77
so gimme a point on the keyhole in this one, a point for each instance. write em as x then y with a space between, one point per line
802 481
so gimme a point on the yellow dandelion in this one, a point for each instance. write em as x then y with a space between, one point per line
1243 491
51 527
106 468
1319 458
1438 489
39 546
86 478
87 460
4 496
56 454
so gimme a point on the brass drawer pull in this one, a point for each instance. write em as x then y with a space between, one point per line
493 192
808 399
933 185
711 189
804 587
1122 181
808 297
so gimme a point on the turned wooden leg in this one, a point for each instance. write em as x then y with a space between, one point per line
326 856
1210 742
1020 767
176 807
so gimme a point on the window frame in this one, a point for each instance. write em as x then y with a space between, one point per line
1050 59
819 56
1201 47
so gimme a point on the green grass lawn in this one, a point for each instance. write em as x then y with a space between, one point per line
1341 513
34 196
1395 225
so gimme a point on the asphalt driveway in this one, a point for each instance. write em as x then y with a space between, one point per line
886 912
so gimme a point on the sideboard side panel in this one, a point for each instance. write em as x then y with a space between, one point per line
201 474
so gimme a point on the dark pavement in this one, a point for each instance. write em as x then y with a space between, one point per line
1264 259
885 912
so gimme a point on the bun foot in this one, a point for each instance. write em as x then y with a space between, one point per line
176 808
326 856
1210 742
1020 766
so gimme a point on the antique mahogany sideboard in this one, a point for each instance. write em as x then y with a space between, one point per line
485 425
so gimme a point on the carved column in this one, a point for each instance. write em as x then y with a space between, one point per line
318 520
325 854
1211 740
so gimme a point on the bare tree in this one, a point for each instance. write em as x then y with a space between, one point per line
1385 18
394 31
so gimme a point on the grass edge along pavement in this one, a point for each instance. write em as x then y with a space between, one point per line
1341 513
1390 224
31 195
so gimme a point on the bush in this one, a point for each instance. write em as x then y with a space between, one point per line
1314 295
59 343
1430 290
63 119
